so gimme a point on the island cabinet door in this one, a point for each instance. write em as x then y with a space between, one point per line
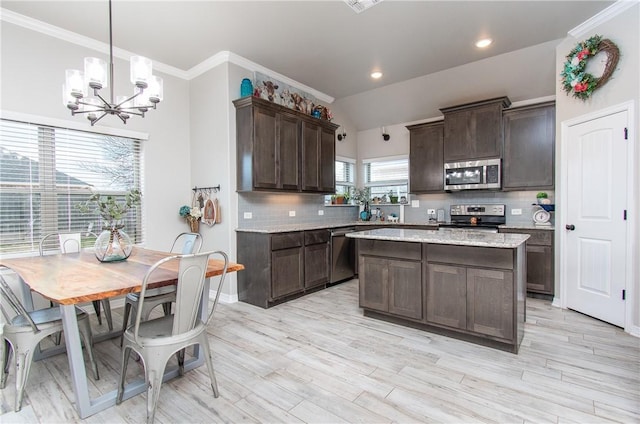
405 288
447 295
374 291
287 276
490 302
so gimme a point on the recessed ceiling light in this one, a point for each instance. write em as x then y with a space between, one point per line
376 75
485 42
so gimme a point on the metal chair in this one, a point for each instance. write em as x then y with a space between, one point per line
72 243
184 243
24 330
156 340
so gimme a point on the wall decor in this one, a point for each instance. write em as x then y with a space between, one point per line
275 91
575 80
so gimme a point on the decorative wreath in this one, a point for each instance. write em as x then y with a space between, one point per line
574 78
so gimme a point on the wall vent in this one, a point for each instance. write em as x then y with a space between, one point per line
361 5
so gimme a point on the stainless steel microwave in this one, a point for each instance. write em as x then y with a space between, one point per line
472 175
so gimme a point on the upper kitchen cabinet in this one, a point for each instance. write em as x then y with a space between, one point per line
280 149
474 130
529 145
318 158
426 163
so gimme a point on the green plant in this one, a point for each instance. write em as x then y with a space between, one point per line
541 195
108 207
362 195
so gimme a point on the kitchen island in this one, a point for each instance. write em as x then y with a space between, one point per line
465 284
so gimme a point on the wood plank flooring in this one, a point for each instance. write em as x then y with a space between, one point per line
318 360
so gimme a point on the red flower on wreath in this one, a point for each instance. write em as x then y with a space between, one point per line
584 53
581 86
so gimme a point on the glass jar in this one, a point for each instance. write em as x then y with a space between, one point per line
246 88
113 245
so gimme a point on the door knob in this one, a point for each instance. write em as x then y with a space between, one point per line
570 227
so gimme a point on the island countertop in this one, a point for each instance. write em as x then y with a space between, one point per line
453 237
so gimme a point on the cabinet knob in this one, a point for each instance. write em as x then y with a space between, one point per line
570 227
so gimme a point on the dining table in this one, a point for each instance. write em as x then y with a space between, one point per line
74 278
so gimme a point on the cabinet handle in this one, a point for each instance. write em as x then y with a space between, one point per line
570 227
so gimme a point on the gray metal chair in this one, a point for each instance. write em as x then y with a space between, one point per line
156 340
72 243
24 330
184 243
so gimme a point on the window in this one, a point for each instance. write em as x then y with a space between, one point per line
387 175
345 175
46 171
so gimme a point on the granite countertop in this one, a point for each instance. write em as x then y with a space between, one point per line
527 227
454 237
304 227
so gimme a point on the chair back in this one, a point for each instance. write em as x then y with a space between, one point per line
187 243
62 243
189 290
14 303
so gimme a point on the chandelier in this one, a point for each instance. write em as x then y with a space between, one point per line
147 90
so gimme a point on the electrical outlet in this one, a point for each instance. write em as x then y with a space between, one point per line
320 212
292 213
415 203
248 215
431 211
516 211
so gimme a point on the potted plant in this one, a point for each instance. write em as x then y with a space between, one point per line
393 197
192 215
112 244
543 198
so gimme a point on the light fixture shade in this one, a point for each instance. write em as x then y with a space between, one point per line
141 69
74 81
68 100
95 72
141 101
156 89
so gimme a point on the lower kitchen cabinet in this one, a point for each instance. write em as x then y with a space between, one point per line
391 285
281 266
447 295
540 262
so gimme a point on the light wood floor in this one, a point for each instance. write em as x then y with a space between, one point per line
318 360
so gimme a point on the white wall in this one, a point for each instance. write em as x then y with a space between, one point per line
32 74
624 86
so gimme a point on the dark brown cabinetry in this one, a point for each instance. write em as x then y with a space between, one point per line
540 261
316 258
426 160
464 293
391 278
529 145
282 266
474 130
279 149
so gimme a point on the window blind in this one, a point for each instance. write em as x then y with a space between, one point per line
45 172
387 176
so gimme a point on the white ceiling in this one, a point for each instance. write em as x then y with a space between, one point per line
322 44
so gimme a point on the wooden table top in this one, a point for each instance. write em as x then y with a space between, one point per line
80 277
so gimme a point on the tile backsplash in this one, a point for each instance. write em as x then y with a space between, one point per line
269 209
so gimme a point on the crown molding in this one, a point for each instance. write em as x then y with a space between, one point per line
210 63
603 16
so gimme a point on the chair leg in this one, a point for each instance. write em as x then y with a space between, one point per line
96 306
154 381
166 307
180 358
124 360
87 338
5 356
24 358
107 313
204 345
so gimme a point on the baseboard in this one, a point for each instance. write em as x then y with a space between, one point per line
634 330
224 297
556 302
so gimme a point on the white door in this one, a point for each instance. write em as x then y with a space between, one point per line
596 228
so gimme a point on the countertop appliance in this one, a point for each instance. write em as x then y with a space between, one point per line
484 217
343 255
472 175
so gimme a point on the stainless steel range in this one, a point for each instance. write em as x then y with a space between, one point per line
486 217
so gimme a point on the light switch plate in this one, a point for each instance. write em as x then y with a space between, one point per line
320 212
292 213
248 215
516 211
415 203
